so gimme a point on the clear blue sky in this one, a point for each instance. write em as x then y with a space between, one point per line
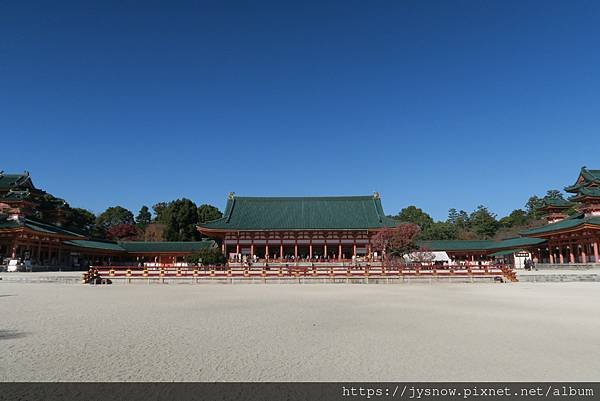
437 104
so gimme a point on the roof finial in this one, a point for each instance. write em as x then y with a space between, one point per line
231 195
376 195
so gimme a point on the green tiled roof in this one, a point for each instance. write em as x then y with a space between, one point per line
9 224
99 245
142 247
13 195
38 226
505 252
589 177
556 202
456 245
571 222
8 181
302 213
593 192
480 245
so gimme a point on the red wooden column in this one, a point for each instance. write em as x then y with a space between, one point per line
295 248
267 246
571 254
596 252
325 254
551 256
340 251
354 247
251 247
560 255
583 254
13 251
281 248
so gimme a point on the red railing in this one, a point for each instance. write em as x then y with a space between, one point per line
315 270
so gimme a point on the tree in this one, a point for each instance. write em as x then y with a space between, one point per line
518 217
483 222
114 216
144 217
154 232
459 219
554 194
396 241
123 231
533 205
80 220
207 257
208 213
413 214
181 219
440 230
159 211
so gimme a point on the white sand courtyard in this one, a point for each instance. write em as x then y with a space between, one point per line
290 332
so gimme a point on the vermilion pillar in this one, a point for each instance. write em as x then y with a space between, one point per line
596 252
583 254
281 250
340 251
560 256
571 255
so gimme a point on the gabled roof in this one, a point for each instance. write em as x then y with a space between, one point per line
301 213
15 181
480 245
97 245
15 195
566 224
165 246
586 177
557 203
586 192
38 226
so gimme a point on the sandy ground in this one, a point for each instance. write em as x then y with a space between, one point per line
313 332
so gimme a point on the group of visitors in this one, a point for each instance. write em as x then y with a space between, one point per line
529 264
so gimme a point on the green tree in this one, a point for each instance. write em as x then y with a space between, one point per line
208 213
207 257
181 219
533 205
159 211
114 216
554 194
516 218
81 220
483 222
415 215
144 217
440 230
459 219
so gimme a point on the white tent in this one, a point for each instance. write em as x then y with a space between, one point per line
429 256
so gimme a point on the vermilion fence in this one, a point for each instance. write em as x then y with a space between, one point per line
315 270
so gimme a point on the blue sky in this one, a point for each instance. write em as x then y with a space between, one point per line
437 104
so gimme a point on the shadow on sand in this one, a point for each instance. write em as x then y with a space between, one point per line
11 334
